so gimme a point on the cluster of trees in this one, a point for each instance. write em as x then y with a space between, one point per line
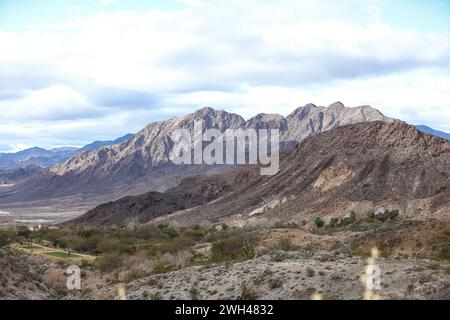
353 218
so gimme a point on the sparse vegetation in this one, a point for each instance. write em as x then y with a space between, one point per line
440 243
275 283
194 292
262 277
310 272
237 247
285 244
353 222
248 293
149 253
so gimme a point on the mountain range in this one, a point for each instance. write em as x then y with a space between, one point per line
46 158
35 157
17 175
141 164
432 131
363 167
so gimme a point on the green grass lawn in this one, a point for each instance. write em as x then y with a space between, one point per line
31 247
61 254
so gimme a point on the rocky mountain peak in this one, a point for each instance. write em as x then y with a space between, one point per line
336 105
141 163
267 121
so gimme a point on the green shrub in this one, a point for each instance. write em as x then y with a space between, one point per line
387 215
23 231
370 215
333 222
288 225
351 219
319 222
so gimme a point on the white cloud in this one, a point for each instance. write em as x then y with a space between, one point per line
265 56
106 2
51 103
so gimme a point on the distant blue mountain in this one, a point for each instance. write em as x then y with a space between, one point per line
432 131
35 157
98 144
47 158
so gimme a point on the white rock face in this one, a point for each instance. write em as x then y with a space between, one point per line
151 146
310 119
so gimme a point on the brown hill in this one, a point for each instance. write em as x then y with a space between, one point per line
360 167
192 191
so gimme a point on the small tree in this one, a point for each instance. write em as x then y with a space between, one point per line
319 222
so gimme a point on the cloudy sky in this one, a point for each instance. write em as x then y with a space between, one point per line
76 71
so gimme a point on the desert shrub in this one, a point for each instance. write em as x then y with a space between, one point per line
238 247
153 282
194 292
287 225
163 268
440 244
152 232
88 232
110 262
134 275
275 283
262 276
278 256
333 222
156 296
351 219
319 222
370 215
285 244
310 272
387 215
111 245
196 234
248 293
174 245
